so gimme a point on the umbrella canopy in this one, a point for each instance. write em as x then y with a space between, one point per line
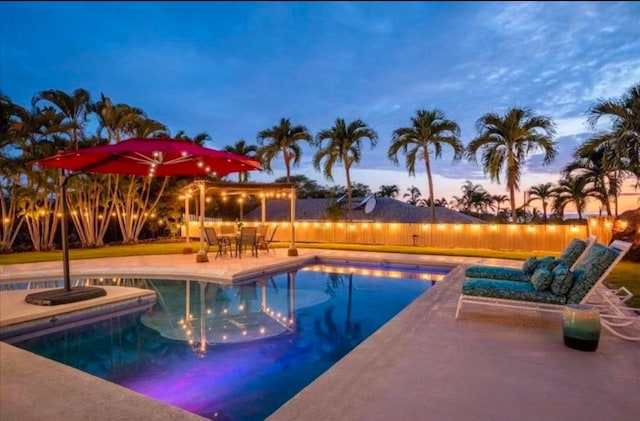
157 157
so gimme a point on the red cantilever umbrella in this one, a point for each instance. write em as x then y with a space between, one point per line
153 157
156 157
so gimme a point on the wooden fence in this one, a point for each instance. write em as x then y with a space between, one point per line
513 237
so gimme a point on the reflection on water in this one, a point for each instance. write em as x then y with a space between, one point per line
235 352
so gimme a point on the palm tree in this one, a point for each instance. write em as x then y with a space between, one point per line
413 196
471 195
283 139
429 130
507 140
388 190
624 138
543 192
574 190
592 165
198 139
74 107
499 199
621 145
243 149
344 145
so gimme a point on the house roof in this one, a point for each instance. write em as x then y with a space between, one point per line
386 209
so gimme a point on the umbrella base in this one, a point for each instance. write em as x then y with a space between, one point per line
61 296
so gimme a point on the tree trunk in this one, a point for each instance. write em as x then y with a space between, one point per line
349 203
432 204
512 195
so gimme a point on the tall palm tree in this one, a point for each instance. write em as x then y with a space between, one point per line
282 139
343 145
242 148
388 190
542 192
506 141
430 130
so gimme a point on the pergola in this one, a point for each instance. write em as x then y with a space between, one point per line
225 189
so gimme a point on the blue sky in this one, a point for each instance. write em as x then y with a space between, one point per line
234 69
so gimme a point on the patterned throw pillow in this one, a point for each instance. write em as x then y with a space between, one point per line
573 251
541 279
548 263
529 265
562 279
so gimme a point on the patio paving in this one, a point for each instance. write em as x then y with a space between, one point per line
493 364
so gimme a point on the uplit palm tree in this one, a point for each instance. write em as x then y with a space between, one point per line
10 170
388 190
542 192
429 131
284 140
343 145
243 149
506 141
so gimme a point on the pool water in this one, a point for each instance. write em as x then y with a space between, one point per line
238 352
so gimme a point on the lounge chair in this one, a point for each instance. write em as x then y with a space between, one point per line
582 285
571 256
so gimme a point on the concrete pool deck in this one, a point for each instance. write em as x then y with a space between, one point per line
489 364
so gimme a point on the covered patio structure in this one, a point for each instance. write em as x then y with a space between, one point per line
226 189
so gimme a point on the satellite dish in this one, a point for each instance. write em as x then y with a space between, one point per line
364 201
370 205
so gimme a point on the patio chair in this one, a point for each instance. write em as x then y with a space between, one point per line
582 285
212 239
261 232
571 257
263 244
247 240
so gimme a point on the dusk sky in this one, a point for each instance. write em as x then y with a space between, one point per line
234 69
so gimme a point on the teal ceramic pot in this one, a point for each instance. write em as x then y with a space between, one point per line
581 327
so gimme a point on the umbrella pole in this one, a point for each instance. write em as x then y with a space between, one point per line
65 295
64 234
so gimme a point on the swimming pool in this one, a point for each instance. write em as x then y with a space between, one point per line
240 352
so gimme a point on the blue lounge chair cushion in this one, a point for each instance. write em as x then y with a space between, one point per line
589 270
494 272
541 279
562 279
511 290
573 251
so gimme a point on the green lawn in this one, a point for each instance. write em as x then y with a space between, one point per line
624 274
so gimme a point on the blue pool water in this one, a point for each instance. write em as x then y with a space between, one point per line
239 352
